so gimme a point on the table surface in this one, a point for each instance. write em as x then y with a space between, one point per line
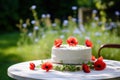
21 71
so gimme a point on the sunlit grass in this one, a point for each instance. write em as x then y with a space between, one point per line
42 49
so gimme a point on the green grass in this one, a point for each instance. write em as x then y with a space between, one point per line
7 41
105 38
10 53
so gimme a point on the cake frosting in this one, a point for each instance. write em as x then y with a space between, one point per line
71 54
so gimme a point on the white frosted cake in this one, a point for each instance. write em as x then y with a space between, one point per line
71 54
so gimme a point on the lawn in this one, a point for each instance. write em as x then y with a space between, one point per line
11 53
8 41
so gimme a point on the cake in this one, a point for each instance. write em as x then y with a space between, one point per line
71 57
70 53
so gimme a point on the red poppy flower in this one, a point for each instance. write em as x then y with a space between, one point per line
86 68
47 66
100 58
58 42
32 66
88 43
99 64
93 58
72 41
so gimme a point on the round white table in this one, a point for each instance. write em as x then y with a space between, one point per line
21 71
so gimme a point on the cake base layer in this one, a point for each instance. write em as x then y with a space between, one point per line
71 55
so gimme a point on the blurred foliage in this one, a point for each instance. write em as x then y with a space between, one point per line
85 3
12 11
8 14
107 7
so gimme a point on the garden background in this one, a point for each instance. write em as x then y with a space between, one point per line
28 28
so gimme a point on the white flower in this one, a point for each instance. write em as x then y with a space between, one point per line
43 36
117 13
87 37
96 18
30 34
62 36
65 30
65 22
81 26
33 22
98 34
79 20
43 15
113 24
94 11
98 41
74 19
24 25
54 24
74 7
93 24
48 15
77 31
36 39
36 28
33 7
